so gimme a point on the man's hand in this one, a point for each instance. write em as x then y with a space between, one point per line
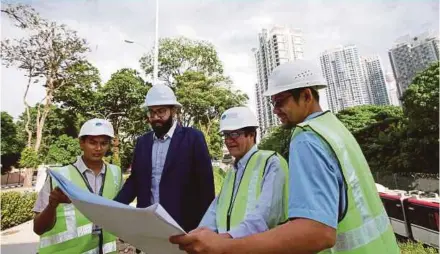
57 197
201 241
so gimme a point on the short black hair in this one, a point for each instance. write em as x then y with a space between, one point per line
250 130
297 92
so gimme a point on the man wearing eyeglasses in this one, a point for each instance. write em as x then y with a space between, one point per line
171 164
253 197
333 205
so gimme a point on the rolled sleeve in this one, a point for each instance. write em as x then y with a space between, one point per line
209 219
269 208
43 197
314 181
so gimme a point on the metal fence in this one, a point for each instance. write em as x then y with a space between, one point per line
408 181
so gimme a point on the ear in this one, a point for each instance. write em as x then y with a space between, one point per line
308 95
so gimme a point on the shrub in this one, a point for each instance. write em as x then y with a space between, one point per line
410 247
16 208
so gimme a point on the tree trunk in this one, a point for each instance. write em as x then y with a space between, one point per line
116 160
28 114
41 117
29 173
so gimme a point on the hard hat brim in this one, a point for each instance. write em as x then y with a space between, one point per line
271 92
234 128
175 103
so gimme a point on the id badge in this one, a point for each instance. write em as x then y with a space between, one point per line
97 230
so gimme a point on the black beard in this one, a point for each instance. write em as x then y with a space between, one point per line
160 131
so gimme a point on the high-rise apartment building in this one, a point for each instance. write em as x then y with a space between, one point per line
277 46
411 55
393 94
375 80
342 69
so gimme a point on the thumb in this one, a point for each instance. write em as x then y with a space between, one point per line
198 230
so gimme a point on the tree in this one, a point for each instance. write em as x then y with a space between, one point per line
59 122
277 140
120 100
30 160
10 144
203 101
178 55
358 117
63 151
193 69
420 104
79 94
46 54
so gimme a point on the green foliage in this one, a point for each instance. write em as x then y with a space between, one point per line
416 248
58 122
79 93
10 143
278 140
29 158
203 100
392 139
421 106
194 70
178 55
16 208
120 100
63 151
359 117
219 177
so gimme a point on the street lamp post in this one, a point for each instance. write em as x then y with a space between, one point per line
156 47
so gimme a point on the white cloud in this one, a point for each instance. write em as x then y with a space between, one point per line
232 26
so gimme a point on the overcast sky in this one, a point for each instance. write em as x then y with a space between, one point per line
232 26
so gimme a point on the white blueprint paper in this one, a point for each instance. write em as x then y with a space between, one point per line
147 229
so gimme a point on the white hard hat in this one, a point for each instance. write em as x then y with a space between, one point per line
237 118
97 127
160 95
292 75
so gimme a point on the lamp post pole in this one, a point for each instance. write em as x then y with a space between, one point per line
156 47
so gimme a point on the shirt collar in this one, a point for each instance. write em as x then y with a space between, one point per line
313 115
82 166
170 132
243 161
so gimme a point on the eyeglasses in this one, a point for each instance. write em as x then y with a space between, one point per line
280 102
233 134
159 113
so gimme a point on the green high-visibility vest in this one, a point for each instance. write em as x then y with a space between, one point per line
365 228
72 232
231 212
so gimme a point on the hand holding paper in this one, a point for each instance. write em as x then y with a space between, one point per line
148 229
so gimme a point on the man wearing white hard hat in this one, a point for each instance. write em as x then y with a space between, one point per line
61 227
171 164
333 203
253 196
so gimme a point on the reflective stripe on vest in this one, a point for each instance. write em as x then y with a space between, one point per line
254 190
54 239
71 232
106 248
368 232
362 224
235 206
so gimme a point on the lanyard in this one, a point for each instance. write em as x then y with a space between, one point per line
84 177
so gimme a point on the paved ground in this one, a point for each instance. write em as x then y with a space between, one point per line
19 239
22 240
